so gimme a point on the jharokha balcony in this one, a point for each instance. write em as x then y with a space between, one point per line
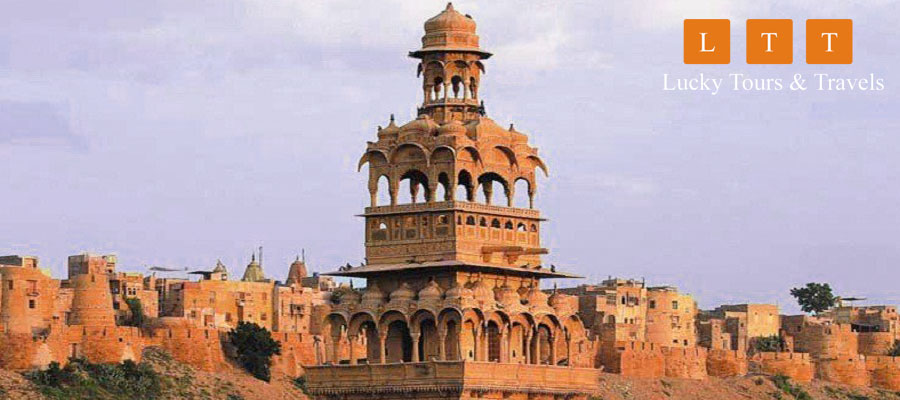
449 378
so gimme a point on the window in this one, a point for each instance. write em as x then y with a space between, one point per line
31 304
509 225
228 317
115 305
9 284
674 305
483 222
263 316
470 220
495 223
652 303
193 314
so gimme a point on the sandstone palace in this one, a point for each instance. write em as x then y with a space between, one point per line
454 306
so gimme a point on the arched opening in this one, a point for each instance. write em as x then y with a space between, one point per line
489 193
545 343
467 340
493 338
470 220
521 227
482 222
415 183
373 344
451 342
464 186
398 345
521 198
429 346
517 343
473 88
495 223
443 189
383 196
456 83
438 88
508 225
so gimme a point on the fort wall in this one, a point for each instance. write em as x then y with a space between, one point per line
849 370
726 363
681 362
797 366
884 372
875 343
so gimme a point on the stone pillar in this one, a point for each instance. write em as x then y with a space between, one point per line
415 345
382 349
530 199
552 350
527 348
413 189
352 341
442 346
569 351
446 91
336 349
510 194
488 191
537 348
317 348
504 346
476 346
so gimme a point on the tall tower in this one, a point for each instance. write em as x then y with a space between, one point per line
455 160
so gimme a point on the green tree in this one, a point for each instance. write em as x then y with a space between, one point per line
815 297
895 351
255 348
768 344
137 317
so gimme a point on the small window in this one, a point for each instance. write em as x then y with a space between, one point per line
674 305
521 228
495 223
533 228
9 284
228 317
509 225
31 304
652 304
470 220
443 220
263 316
115 305
483 222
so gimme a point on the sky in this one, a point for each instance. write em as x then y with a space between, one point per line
175 133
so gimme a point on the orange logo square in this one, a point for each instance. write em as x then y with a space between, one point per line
829 41
707 41
770 41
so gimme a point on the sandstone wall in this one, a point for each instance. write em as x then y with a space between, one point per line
797 366
875 343
849 370
726 363
884 372
687 363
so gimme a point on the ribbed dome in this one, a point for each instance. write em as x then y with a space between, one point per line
422 125
458 292
449 20
507 296
558 300
254 272
452 128
403 293
535 297
373 296
389 131
431 292
482 292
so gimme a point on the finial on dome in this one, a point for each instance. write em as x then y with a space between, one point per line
512 127
449 6
392 117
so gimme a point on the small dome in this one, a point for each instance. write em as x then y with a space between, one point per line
482 292
558 300
507 296
450 20
296 272
351 297
373 296
431 292
254 272
458 292
403 293
220 268
452 128
389 131
422 125
535 297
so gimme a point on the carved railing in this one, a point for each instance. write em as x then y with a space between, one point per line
444 376
456 205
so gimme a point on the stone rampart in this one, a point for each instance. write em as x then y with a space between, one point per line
875 343
685 362
884 372
849 370
726 363
797 366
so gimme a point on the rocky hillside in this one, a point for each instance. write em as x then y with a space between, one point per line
176 381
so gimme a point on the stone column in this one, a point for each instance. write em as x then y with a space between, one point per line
317 348
352 341
476 347
382 349
504 346
336 349
569 351
527 354
510 194
415 345
552 350
537 347
442 346
488 191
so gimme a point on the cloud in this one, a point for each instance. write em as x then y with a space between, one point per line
35 124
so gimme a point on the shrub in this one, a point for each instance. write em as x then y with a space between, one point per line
300 383
784 384
137 317
83 380
764 344
255 348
